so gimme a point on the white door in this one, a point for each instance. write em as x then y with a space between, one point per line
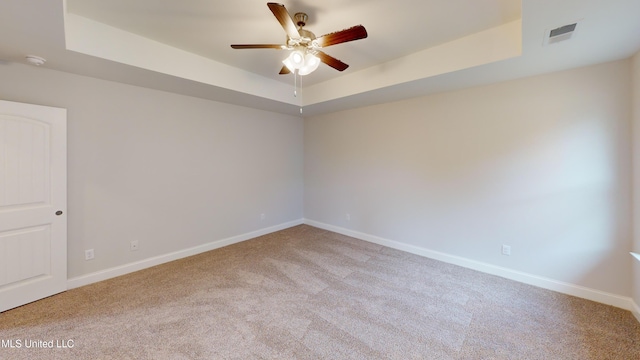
33 200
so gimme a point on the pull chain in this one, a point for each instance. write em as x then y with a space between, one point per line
295 86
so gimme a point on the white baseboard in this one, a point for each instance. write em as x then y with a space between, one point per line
546 283
636 310
542 282
157 260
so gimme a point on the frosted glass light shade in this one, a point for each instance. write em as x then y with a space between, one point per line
311 63
294 61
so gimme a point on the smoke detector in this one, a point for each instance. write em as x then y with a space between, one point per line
561 33
35 60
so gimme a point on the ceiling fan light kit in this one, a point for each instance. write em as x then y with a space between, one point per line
305 64
306 55
311 63
294 61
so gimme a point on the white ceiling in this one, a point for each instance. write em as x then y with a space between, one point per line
205 28
415 47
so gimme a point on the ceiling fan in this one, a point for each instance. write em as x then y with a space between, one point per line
304 45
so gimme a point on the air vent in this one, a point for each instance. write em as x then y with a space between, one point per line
562 30
561 33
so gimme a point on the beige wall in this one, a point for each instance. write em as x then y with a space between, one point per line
170 171
540 164
636 178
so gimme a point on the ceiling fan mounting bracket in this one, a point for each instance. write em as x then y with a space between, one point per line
300 19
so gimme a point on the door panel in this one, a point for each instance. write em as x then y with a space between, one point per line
33 239
25 254
26 164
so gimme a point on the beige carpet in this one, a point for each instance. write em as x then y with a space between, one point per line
306 293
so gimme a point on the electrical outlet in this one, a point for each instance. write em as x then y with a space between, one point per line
134 245
348 217
506 250
88 254
263 216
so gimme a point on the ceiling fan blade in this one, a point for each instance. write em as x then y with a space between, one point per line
285 70
285 20
353 33
259 46
331 61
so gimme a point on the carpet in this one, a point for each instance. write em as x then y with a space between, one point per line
307 293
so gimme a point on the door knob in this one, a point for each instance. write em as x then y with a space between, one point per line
59 212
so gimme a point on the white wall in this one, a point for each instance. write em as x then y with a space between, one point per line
541 164
636 178
170 171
